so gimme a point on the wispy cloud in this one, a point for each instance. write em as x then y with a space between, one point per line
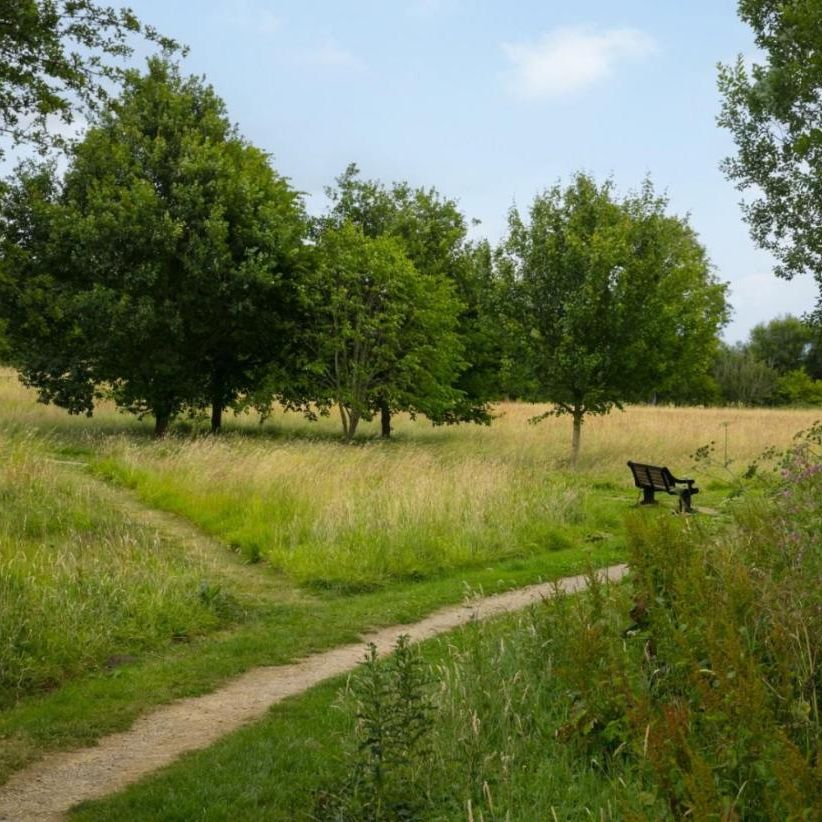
570 59
248 15
330 55
425 8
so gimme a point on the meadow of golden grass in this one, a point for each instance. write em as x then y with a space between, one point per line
80 580
663 434
433 498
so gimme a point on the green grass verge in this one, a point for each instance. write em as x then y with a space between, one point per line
278 768
108 701
692 691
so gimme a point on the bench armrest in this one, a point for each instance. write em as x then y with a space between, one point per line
688 482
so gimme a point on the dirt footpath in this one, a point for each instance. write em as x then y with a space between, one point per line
48 788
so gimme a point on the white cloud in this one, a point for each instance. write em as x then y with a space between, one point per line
570 59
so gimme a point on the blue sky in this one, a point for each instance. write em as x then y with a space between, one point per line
491 102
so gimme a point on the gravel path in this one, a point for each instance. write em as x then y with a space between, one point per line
48 788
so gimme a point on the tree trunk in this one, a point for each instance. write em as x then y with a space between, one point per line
217 400
578 414
385 419
216 416
161 421
344 418
350 420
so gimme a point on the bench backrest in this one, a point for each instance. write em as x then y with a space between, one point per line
652 476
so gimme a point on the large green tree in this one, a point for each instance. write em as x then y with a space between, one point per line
163 267
377 328
491 374
432 233
615 300
58 59
773 110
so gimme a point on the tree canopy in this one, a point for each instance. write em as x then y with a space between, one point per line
773 110
162 266
785 343
377 328
59 58
780 363
615 300
744 379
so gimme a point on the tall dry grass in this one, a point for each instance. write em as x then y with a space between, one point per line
354 516
79 583
433 499
663 434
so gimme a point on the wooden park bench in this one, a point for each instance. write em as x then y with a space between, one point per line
652 478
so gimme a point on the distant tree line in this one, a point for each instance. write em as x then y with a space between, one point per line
779 364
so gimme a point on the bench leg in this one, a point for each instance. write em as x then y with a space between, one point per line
685 503
648 497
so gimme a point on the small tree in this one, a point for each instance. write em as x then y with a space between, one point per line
378 328
431 231
614 300
162 267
